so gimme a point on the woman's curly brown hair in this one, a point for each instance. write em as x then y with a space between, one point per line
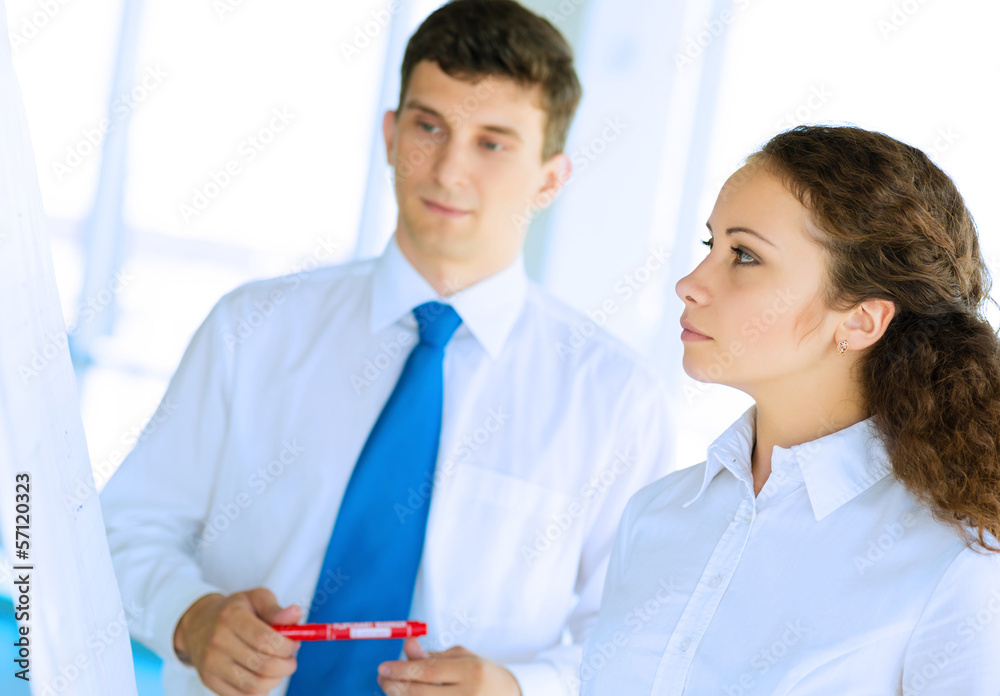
894 226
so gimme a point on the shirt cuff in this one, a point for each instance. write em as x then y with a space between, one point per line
167 609
538 679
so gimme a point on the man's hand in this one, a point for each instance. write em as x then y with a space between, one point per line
229 641
437 674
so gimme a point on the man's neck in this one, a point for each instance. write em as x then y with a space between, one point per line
448 276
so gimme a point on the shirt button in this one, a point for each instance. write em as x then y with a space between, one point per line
714 582
685 644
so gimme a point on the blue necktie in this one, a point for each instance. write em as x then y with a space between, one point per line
378 537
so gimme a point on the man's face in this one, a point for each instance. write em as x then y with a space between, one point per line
468 166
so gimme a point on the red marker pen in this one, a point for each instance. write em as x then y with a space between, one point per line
359 630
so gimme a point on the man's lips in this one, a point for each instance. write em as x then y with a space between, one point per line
443 210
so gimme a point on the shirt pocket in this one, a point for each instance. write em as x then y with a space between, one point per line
511 548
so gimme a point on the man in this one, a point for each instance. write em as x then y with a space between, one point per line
288 483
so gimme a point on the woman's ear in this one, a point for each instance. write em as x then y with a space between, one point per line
866 323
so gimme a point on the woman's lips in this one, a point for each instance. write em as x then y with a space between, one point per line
690 333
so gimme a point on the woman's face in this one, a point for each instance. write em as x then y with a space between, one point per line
753 309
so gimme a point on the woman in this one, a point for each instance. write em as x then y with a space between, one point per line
841 536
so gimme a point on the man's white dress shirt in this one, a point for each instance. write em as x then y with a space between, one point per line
548 429
833 581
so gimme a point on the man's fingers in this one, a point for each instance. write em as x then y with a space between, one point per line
429 671
414 650
403 688
288 615
231 679
258 634
226 646
265 604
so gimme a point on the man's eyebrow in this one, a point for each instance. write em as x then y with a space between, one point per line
499 130
744 230
419 106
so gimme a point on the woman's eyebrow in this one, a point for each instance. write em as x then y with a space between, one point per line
744 230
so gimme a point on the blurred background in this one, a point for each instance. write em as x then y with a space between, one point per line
184 148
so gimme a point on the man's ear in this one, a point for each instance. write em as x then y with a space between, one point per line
866 323
555 174
389 133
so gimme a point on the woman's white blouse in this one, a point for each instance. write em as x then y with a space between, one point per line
834 580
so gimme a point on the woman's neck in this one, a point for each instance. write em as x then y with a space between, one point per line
798 414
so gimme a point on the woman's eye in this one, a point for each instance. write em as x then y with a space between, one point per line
708 242
491 146
743 258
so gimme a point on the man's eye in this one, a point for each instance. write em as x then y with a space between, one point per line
428 127
492 146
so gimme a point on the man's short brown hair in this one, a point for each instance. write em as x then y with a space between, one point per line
470 39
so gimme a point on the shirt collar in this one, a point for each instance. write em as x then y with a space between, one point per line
839 467
731 450
488 309
836 468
